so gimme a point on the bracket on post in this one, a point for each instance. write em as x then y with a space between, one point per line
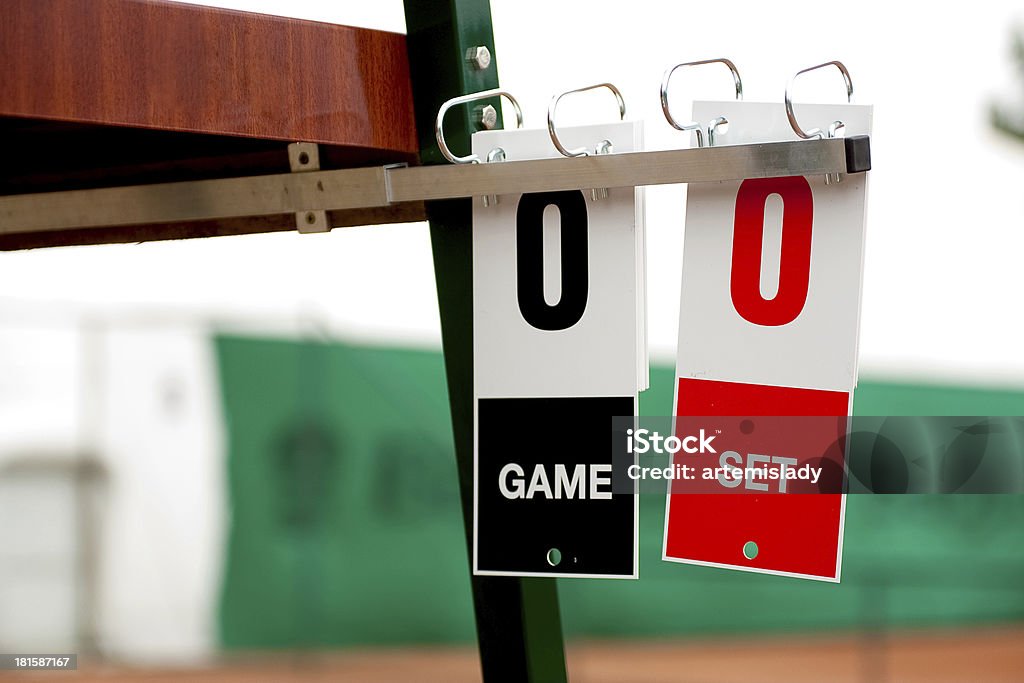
304 157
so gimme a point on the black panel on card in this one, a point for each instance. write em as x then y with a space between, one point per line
540 523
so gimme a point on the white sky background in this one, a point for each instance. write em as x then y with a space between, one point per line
943 279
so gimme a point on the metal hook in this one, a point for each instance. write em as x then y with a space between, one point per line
496 154
580 151
603 147
472 97
718 122
816 133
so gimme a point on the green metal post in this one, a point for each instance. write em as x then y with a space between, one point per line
518 625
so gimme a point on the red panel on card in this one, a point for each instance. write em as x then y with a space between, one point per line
794 533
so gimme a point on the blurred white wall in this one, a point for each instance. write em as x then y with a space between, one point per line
40 446
130 560
39 574
162 438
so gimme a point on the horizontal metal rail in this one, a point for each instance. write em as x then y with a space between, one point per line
363 188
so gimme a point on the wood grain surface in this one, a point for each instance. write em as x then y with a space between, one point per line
171 66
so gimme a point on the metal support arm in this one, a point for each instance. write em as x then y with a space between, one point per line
388 186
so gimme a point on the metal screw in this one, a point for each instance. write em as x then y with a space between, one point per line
479 56
488 117
310 217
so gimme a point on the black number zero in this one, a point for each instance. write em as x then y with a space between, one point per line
572 210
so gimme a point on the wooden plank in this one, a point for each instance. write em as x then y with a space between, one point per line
46 156
170 66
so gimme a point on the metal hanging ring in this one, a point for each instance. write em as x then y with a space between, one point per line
463 99
693 125
815 132
579 151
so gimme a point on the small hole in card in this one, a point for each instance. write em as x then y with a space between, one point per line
750 550
554 557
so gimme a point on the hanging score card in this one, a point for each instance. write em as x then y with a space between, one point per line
557 321
769 324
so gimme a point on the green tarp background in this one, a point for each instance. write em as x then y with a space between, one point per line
346 529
